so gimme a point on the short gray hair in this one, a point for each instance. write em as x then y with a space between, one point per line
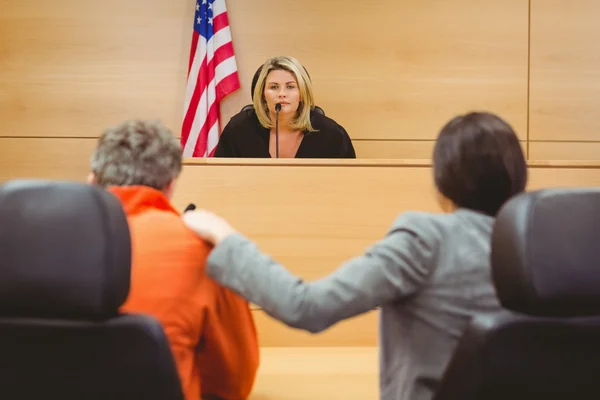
137 152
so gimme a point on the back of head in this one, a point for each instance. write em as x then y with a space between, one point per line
137 152
478 162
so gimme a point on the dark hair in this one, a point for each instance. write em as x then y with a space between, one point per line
478 162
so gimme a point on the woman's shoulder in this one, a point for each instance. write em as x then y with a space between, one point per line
243 119
323 123
242 127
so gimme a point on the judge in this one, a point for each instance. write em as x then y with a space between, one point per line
283 122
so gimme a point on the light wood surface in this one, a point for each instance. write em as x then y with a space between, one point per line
70 68
565 72
393 149
421 149
359 331
402 76
67 159
310 215
313 218
323 373
570 151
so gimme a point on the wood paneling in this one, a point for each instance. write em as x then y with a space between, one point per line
73 67
323 373
420 63
564 150
291 210
67 159
309 216
540 178
359 331
69 68
400 149
390 149
565 71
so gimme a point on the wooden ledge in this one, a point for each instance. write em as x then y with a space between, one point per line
314 162
366 162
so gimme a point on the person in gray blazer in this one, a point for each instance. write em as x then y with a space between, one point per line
429 274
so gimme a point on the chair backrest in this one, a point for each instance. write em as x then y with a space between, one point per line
65 266
546 269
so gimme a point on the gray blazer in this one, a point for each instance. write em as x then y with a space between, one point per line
429 275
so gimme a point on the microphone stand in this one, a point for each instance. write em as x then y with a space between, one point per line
277 109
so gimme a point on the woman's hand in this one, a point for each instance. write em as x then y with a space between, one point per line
208 225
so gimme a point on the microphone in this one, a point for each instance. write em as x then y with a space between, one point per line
277 109
190 207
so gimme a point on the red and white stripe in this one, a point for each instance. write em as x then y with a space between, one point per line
212 75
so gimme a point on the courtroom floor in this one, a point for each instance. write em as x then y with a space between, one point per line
317 373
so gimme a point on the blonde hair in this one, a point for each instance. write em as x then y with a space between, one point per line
307 101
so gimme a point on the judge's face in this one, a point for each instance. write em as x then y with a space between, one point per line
281 87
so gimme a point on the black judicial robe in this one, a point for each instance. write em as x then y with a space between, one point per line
245 137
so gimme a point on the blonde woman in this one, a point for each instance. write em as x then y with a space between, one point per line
303 132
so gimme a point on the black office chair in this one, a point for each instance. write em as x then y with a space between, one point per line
250 107
65 265
546 269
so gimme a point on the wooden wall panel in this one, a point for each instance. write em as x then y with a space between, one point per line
310 217
563 177
390 149
419 63
291 211
406 149
401 149
71 67
564 150
565 72
67 159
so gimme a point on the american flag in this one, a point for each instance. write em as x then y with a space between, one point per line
212 75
